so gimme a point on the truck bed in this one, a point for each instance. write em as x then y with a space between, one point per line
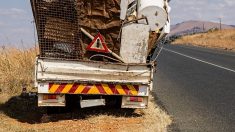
48 70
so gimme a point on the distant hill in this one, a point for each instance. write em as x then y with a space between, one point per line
190 27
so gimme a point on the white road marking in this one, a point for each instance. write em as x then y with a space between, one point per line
206 50
228 69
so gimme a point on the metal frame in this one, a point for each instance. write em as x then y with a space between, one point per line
57 27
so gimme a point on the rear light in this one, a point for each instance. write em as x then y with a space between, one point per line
49 96
135 99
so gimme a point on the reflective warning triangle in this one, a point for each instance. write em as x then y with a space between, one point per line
98 44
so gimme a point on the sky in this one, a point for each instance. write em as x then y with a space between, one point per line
17 29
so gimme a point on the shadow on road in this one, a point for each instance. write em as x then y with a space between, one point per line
26 110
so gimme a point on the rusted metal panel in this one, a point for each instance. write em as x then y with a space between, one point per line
134 44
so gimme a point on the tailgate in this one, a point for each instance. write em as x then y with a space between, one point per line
49 70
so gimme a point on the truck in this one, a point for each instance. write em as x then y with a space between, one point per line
97 52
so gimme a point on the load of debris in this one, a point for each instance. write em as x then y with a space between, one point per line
65 28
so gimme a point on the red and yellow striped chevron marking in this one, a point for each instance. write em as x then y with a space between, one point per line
105 89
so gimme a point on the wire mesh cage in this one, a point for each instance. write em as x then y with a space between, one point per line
57 27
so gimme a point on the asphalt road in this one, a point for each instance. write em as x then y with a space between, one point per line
196 86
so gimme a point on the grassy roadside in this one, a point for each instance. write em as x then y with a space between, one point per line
22 114
98 119
224 39
16 70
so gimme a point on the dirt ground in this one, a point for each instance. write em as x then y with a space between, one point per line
22 114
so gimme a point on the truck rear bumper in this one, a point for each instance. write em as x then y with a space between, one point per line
93 89
59 100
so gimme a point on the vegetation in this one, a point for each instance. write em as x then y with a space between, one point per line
16 70
224 39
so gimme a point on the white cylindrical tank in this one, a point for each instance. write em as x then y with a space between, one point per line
154 11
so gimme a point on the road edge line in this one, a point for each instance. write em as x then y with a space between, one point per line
228 69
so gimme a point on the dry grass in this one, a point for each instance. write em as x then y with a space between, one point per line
99 119
224 39
16 69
